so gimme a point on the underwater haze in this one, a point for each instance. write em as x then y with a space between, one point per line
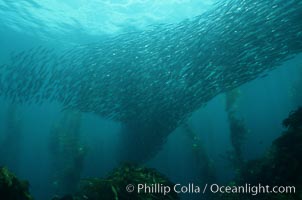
183 91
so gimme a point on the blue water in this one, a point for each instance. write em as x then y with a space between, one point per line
263 102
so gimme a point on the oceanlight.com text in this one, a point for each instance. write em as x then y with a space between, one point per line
192 188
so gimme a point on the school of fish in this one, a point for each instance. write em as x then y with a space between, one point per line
152 80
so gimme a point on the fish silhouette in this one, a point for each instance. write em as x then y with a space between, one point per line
152 80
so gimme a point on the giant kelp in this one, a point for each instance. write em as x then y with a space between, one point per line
206 171
11 188
10 145
281 166
153 80
238 130
115 184
67 153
